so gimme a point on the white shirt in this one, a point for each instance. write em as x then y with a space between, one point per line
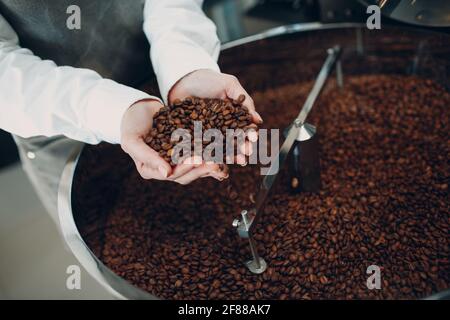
39 98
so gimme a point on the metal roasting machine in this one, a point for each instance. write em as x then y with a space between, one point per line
395 50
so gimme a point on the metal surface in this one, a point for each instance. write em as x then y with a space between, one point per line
257 264
304 162
288 29
431 13
249 220
115 285
361 44
339 75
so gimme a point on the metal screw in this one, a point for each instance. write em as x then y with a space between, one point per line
31 155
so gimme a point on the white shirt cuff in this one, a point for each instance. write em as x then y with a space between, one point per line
173 65
106 107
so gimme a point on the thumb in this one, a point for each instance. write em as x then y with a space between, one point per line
234 91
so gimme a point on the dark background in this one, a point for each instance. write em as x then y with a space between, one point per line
8 150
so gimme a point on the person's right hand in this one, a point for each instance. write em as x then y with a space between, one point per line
136 124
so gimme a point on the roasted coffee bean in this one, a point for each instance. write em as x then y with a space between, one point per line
383 201
178 283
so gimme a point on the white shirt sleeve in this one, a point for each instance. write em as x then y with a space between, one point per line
182 40
38 98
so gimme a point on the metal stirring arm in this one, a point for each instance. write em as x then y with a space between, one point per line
248 220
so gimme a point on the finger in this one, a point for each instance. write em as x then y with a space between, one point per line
218 175
235 90
223 168
252 135
141 152
222 173
201 171
241 160
246 148
148 173
187 165
139 166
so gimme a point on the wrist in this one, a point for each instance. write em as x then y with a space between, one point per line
106 106
149 103
139 114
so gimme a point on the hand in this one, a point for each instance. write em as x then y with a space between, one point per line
211 84
136 124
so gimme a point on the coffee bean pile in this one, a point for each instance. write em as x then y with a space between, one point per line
384 202
212 113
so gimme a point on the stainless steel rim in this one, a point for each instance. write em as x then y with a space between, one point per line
289 29
117 286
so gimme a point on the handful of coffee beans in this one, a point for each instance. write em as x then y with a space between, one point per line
212 113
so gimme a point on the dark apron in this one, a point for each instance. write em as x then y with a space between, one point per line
111 41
